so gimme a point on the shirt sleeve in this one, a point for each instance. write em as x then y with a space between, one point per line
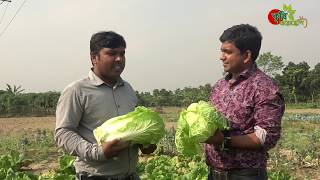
260 133
268 114
68 115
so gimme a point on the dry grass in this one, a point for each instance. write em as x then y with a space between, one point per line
17 126
303 111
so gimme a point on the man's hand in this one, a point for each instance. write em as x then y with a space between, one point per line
114 147
247 141
148 150
216 139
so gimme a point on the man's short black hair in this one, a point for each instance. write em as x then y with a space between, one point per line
245 37
105 39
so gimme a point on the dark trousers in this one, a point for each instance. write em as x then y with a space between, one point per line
86 177
241 174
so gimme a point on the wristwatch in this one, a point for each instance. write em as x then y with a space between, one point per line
226 144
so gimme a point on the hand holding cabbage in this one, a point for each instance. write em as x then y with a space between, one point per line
114 147
195 125
141 126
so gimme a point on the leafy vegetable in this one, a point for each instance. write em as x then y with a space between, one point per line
142 126
10 169
164 167
195 125
66 170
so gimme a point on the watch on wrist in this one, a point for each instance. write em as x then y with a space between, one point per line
226 144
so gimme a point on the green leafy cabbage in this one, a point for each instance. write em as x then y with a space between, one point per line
141 126
178 168
195 125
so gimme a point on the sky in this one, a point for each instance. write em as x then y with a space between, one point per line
170 43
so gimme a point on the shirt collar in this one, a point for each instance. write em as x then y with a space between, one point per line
244 74
96 81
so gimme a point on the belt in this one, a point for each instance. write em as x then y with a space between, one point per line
225 175
85 176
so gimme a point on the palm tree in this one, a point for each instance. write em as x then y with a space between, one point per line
14 89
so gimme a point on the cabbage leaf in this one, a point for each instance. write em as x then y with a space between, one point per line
195 125
142 126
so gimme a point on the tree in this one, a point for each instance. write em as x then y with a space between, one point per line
162 97
311 84
205 92
293 77
14 90
270 64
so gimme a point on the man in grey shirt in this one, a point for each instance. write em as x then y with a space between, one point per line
87 103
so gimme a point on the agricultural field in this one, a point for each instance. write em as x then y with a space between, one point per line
27 145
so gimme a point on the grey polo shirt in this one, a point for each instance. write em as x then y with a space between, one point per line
83 106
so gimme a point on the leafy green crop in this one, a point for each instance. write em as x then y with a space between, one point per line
142 126
10 165
65 172
164 167
279 175
10 169
196 124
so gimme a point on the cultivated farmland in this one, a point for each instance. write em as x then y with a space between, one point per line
296 156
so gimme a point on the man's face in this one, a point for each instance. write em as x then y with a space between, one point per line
232 59
109 63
